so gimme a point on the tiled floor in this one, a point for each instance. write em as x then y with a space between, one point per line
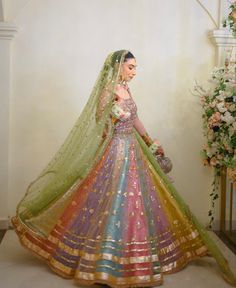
20 269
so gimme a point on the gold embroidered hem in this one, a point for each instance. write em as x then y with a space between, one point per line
43 249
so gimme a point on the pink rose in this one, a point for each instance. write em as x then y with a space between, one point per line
213 161
214 119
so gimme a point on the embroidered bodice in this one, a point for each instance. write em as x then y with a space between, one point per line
125 126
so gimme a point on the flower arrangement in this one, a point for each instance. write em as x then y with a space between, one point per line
219 125
230 21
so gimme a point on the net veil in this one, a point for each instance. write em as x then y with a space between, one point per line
46 197
48 194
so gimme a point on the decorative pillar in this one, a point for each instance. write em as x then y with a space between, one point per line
7 32
224 43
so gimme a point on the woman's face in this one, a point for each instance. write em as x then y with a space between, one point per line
128 69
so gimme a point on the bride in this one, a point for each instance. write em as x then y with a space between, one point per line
104 209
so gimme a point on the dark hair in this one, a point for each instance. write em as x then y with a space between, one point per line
116 57
128 55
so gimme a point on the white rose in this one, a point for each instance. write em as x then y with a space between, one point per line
228 118
210 151
221 107
212 104
232 108
210 135
220 97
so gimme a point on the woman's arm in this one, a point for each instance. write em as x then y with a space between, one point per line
138 125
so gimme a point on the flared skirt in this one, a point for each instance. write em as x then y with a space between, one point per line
121 228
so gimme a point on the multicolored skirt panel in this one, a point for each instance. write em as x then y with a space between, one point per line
122 227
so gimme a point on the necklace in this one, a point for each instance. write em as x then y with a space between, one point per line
124 84
126 87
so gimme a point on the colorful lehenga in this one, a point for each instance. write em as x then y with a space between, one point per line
103 210
122 227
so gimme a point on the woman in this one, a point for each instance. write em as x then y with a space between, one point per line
103 210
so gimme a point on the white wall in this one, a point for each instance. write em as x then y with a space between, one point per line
57 54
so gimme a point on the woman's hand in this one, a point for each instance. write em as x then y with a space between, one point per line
118 113
159 149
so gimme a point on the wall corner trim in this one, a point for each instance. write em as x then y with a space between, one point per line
222 38
7 30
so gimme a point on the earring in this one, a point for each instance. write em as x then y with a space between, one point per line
121 78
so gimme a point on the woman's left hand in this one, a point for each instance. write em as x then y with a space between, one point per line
160 150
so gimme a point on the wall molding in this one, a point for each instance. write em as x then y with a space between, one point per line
223 40
7 30
222 37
